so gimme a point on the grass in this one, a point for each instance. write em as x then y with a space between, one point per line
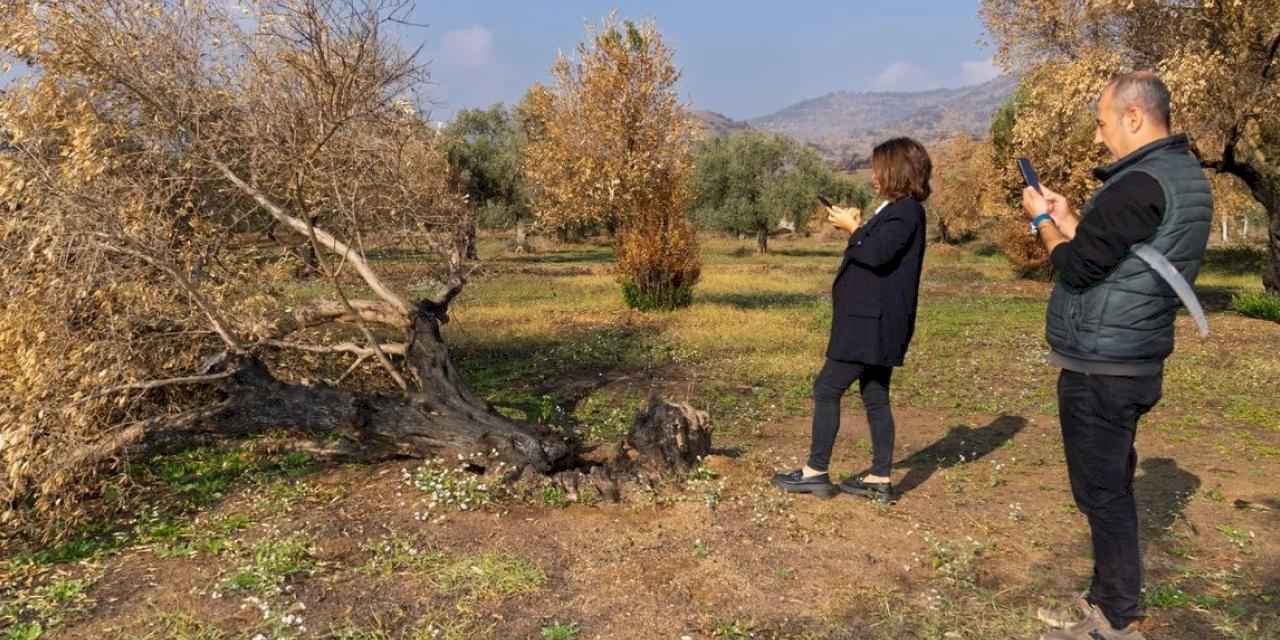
271 563
1264 306
469 575
560 631
490 574
29 614
547 338
179 626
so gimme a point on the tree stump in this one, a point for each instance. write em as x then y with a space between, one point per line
665 436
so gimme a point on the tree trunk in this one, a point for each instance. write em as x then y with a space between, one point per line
470 232
1264 186
1266 191
1224 230
1244 233
665 435
762 240
438 417
522 237
1271 274
944 233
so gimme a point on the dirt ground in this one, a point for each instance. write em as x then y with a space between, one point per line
751 561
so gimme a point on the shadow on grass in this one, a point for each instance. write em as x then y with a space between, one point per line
1235 259
169 491
593 255
761 300
1163 492
962 445
546 377
986 249
807 253
1215 299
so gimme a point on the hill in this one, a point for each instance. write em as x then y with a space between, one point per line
845 125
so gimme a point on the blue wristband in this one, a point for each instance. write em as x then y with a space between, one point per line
1035 222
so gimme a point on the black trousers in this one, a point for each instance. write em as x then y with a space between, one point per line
1099 416
873 381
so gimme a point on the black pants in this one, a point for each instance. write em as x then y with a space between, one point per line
1099 417
873 381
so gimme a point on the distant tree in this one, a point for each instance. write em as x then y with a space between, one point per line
1220 59
484 148
962 187
749 182
609 144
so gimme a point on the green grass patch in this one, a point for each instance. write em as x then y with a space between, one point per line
1166 596
180 626
479 575
488 575
40 609
1257 304
397 554
560 631
271 563
203 476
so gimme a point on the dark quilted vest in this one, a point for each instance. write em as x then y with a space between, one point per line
1129 316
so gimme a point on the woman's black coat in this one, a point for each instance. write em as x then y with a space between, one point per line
875 292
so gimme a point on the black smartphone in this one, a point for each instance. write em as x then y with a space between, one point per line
1029 174
825 202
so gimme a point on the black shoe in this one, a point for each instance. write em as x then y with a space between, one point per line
881 492
795 482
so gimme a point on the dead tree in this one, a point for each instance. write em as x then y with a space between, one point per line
305 115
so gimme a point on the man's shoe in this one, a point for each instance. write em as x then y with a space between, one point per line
881 492
1094 627
1065 617
795 482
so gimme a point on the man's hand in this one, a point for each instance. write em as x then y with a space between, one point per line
1033 203
1063 216
1048 201
847 218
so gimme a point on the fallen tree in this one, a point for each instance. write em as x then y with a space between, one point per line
152 148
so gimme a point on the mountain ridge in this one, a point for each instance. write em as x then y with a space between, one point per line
845 125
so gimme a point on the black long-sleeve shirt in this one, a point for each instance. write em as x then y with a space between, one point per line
1126 213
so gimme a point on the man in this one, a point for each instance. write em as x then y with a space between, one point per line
1110 324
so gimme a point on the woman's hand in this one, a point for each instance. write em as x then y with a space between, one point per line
847 218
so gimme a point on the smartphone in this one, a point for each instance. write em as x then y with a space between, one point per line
825 202
1029 174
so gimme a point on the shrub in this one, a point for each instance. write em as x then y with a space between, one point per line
1265 306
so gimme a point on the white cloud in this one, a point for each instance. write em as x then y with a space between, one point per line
903 76
471 47
978 71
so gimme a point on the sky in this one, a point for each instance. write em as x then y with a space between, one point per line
743 59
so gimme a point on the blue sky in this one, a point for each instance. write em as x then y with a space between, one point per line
743 59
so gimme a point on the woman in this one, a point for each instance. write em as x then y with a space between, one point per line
873 317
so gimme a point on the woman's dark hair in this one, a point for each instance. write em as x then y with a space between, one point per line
903 168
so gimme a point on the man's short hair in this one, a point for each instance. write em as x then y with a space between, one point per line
1144 90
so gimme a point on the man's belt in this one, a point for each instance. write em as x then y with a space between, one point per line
1162 266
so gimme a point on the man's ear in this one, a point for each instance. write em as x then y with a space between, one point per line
1134 119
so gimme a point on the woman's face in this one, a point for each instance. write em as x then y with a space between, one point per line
875 183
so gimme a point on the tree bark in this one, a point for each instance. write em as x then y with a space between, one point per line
665 436
439 417
522 238
762 240
1271 273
